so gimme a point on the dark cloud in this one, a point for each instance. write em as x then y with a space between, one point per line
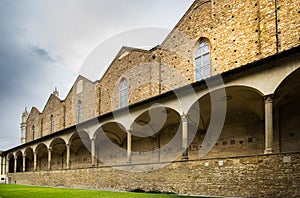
44 54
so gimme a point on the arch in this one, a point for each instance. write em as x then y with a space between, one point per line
11 163
29 159
286 113
58 153
202 59
243 130
156 135
111 143
19 157
123 92
80 147
41 151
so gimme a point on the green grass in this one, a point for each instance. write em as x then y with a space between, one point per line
15 191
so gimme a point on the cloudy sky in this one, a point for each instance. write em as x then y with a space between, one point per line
43 44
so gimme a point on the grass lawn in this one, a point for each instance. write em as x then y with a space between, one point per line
14 191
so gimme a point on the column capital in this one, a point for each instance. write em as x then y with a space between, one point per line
93 139
269 98
68 145
50 149
184 117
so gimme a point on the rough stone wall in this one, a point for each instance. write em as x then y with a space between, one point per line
53 107
33 120
252 176
132 68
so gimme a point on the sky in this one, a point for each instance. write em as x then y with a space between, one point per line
45 43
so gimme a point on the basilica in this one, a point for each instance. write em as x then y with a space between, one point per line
213 110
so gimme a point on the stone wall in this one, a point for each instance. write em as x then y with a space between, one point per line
275 175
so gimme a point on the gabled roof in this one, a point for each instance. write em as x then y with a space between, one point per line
52 97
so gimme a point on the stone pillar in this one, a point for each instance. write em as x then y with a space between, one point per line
24 163
1 167
129 142
49 158
34 161
93 148
7 166
268 124
68 156
15 164
185 154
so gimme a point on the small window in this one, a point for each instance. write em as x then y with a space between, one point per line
202 61
51 124
79 112
33 132
123 93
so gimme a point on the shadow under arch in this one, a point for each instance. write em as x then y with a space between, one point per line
58 154
111 144
29 159
156 136
19 165
11 163
80 147
242 132
286 114
42 157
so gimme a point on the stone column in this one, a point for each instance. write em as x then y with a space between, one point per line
34 161
129 146
15 164
68 156
49 158
93 148
185 154
268 124
7 166
24 163
1 167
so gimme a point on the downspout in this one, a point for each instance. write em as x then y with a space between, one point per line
276 23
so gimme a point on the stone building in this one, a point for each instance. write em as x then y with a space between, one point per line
213 110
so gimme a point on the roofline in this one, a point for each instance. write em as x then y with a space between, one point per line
181 19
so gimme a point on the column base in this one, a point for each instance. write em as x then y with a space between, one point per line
268 151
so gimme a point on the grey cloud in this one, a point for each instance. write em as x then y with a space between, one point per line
44 54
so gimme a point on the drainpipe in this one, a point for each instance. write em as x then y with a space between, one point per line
276 22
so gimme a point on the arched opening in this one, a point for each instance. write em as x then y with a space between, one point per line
202 59
123 93
80 146
19 167
286 113
156 136
42 157
58 154
29 160
11 163
111 144
79 111
243 129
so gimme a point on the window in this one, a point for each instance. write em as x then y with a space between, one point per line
33 131
202 61
123 93
51 124
79 112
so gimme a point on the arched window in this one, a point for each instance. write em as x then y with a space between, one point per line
51 124
79 111
123 93
202 61
33 131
